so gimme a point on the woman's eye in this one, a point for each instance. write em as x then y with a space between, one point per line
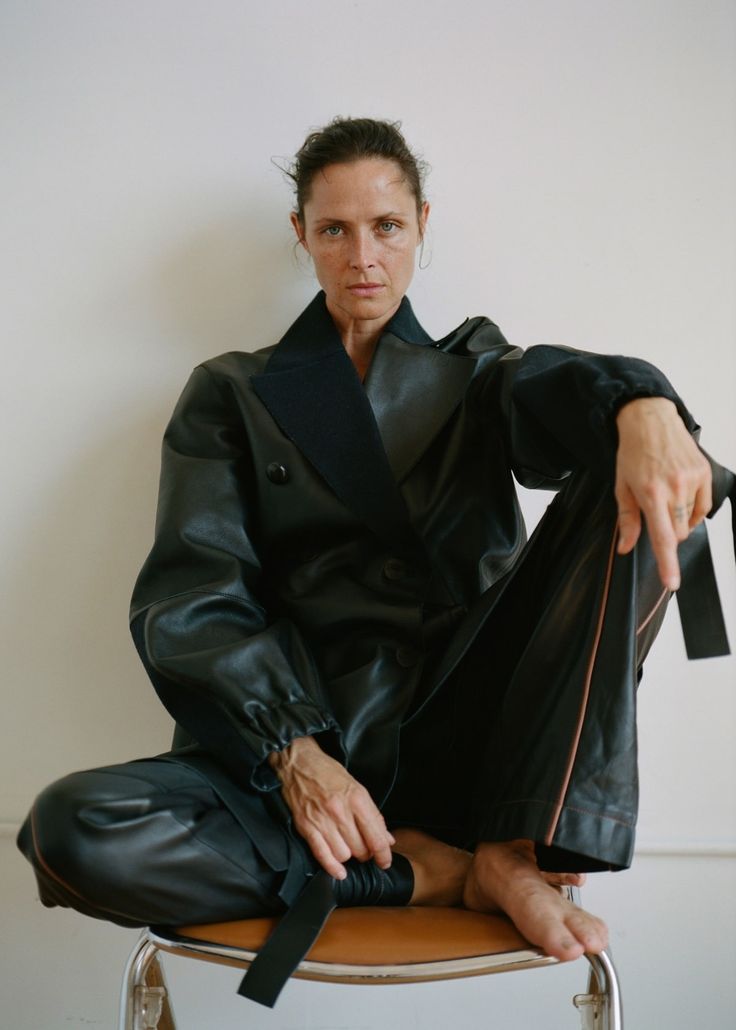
388 226
333 230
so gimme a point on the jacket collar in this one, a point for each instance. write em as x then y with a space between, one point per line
363 440
314 335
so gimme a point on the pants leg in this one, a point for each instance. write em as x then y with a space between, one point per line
561 768
151 842
533 735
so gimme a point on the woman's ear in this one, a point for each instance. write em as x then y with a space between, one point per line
423 218
298 229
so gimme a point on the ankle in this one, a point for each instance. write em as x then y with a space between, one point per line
439 869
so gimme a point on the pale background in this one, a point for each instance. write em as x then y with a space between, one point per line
583 157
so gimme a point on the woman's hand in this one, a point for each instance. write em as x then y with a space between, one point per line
660 474
332 811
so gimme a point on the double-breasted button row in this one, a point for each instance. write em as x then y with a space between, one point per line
395 569
277 473
407 657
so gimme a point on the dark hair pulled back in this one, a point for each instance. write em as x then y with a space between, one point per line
352 139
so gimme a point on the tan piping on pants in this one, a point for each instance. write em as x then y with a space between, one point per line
584 700
653 612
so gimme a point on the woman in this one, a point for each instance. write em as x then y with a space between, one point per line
377 677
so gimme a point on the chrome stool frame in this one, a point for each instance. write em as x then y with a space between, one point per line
145 1003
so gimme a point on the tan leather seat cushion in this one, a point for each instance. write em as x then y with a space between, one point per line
379 936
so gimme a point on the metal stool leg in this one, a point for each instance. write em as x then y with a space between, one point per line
600 1008
144 1003
144 998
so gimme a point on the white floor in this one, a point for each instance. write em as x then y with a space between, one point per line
674 939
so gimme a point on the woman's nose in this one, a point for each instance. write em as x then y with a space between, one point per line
362 253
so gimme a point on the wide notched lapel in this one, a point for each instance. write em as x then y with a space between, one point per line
413 391
314 394
363 440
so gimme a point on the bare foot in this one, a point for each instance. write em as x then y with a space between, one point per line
506 877
440 871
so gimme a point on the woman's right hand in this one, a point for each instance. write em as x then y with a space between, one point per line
332 811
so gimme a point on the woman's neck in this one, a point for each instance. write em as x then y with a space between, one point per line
360 337
361 349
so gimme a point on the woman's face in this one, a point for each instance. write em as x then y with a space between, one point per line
362 228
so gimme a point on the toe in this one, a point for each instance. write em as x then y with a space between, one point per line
560 942
591 932
568 949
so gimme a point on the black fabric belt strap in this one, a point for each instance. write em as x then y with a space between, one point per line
300 927
698 601
701 615
295 934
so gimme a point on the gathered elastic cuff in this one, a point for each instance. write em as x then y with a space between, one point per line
275 728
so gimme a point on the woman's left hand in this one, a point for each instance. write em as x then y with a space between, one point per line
334 813
662 475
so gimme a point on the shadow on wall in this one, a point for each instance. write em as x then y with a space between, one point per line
84 698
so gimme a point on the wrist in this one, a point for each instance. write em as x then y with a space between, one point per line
279 760
660 407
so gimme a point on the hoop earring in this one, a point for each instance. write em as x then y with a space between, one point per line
422 263
302 259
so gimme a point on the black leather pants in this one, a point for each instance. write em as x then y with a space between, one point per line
533 734
151 841
527 730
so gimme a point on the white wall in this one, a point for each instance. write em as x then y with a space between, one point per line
583 157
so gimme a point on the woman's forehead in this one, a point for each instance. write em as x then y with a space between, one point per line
358 187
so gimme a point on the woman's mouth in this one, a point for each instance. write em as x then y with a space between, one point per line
365 289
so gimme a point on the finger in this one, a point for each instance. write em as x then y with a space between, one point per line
352 838
702 505
701 491
377 839
681 519
682 506
343 828
355 840
321 832
338 844
629 520
689 508
383 856
663 539
325 855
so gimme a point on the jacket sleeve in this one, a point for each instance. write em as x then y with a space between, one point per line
560 408
240 683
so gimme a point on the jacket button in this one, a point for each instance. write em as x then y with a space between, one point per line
407 657
395 569
277 473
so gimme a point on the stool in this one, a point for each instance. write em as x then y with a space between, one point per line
363 946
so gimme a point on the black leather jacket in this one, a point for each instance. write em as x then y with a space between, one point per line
318 538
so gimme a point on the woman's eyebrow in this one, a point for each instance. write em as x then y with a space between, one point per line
383 217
